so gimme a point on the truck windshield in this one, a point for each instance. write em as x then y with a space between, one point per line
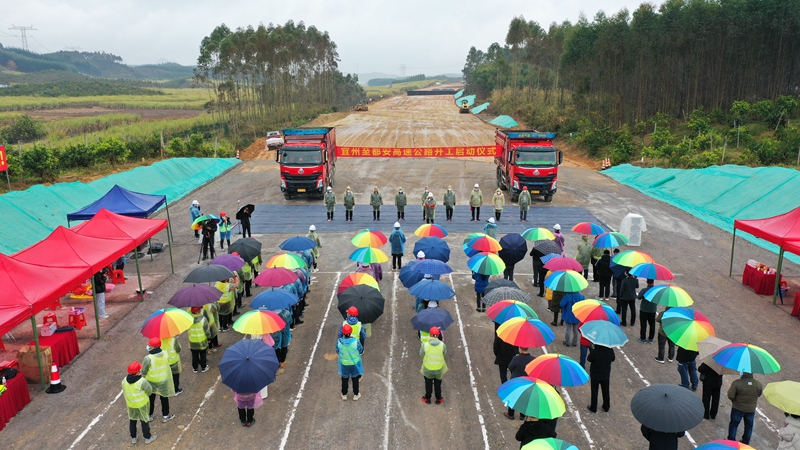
301 157
527 156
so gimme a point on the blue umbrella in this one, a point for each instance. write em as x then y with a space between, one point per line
549 256
617 269
431 317
602 332
274 299
298 244
434 248
248 366
432 266
408 276
432 290
515 248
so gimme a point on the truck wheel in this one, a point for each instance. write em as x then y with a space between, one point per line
287 196
514 196
500 184
548 198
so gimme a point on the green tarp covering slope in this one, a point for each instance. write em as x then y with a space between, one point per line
504 122
31 215
719 194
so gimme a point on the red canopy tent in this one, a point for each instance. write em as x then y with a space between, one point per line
66 248
782 230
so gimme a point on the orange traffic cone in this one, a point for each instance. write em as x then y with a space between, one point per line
606 163
237 154
55 381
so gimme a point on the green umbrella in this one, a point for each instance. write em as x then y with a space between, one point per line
532 397
566 281
486 264
548 444
538 234
784 395
198 223
686 327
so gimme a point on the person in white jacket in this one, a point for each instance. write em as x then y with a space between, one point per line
790 433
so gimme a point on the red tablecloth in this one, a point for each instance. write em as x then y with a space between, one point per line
14 399
762 283
63 346
796 309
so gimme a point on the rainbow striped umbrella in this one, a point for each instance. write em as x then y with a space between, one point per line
485 244
652 271
532 397
289 261
525 332
610 240
430 229
548 444
486 264
724 444
368 255
358 278
369 237
166 323
745 358
588 228
566 281
470 252
503 310
686 327
668 295
538 234
558 370
259 322
630 258
591 309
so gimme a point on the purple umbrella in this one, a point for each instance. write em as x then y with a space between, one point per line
232 262
195 295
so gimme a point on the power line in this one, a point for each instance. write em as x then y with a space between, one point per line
24 36
40 43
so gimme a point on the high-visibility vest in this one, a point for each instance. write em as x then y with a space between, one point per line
135 397
434 356
348 353
196 332
224 226
227 294
247 272
159 369
168 345
356 329
424 336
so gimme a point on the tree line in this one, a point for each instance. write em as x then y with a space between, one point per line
285 72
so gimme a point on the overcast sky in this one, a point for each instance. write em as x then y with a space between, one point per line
427 36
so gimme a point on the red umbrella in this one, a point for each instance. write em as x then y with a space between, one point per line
564 263
275 277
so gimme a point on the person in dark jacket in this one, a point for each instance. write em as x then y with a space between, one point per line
687 367
618 277
600 358
209 231
647 315
712 384
663 340
537 264
517 367
743 394
602 270
481 281
244 218
627 298
503 353
660 440
533 429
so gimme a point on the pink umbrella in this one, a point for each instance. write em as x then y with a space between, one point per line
564 263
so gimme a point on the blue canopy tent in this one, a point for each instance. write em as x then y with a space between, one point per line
127 203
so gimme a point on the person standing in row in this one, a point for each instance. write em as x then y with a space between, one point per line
490 229
503 354
475 202
600 359
712 385
743 395
569 318
209 230
226 303
225 228
246 404
429 207
663 340
400 201
356 327
449 202
660 440
312 234
211 311
244 218
789 434
434 366
687 367
532 429
498 202
349 204
194 212
604 275
330 203
99 286
647 315
351 365
584 256
517 367
156 371
376 201
283 338
398 241
481 281
559 236
627 299
423 199
199 335
524 204
136 391
173 349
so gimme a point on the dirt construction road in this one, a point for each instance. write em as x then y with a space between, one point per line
304 409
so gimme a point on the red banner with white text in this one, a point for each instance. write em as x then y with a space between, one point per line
3 159
417 152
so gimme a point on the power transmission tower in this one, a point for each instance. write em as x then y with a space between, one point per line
402 70
24 36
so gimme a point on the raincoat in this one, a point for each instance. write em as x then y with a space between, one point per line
173 348
433 353
349 350
136 391
400 201
199 333
449 200
194 211
424 198
283 337
398 241
584 255
429 207
226 302
349 201
330 201
475 198
156 370
498 200
790 434
314 237
211 311
358 329
490 229
247 401
525 200
376 200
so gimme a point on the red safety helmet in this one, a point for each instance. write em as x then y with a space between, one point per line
353 311
222 214
347 329
524 188
435 331
236 254
196 309
134 368
154 342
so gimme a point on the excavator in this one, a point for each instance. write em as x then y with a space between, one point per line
361 107
464 109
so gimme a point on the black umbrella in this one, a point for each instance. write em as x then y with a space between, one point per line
514 250
667 408
506 293
618 270
547 247
366 299
247 248
500 283
250 208
208 274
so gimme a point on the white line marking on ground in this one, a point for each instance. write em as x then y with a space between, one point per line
390 362
95 420
472 382
766 420
199 408
308 366
570 405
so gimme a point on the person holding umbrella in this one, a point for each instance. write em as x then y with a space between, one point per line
398 241
356 327
226 303
283 337
712 385
330 203
647 314
137 391
743 395
603 274
524 204
663 340
600 359
349 204
475 202
173 349
244 217
569 318
503 354
312 234
687 367
429 208
532 429
790 433
517 367
449 202
351 365
376 201
247 403
194 212
156 371
481 281
199 336
209 230
400 201
423 199
211 312
661 441
434 366
627 298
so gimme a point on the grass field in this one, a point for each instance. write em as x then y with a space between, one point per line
397 88
171 99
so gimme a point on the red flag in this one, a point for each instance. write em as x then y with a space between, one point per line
3 159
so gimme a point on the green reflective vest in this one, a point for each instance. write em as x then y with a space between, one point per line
159 369
434 357
348 353
197 332
168 345
356 329
224 226
135 396
247 272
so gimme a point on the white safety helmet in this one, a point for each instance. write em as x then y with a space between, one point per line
397 224
476 185
312 228
195 202
430 195
491 219
557 227
330 188
420 254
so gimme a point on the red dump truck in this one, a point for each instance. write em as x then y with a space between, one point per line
528 158
307 161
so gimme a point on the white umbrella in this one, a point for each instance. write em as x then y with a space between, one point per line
708 347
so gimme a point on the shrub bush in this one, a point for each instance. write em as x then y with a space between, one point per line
41 162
